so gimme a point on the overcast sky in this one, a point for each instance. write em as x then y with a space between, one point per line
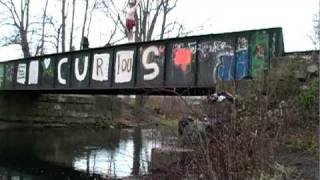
217 16
294 16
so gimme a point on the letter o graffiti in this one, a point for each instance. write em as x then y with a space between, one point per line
125 65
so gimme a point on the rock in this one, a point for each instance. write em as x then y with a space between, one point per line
304 87
300 75
167 159
312 69
270 114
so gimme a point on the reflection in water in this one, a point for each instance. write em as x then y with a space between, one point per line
74 154
137 138
6 174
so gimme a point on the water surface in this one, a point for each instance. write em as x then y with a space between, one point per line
40 154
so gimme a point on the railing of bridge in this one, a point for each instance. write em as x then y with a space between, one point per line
189 62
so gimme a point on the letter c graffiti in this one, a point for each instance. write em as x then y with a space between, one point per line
60 79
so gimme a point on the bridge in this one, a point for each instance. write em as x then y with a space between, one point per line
190 65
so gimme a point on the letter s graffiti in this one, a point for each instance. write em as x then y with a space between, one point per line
153 65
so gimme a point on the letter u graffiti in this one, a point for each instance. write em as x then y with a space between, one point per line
81 77
124 65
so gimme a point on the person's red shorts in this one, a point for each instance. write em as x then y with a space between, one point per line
130 24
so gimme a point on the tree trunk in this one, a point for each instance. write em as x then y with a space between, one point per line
43 28
63 33
164 20
84 21
72 24
153 22
137 143
24 43
138 25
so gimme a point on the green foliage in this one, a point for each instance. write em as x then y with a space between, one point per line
281 173
307 98
303 144
169 123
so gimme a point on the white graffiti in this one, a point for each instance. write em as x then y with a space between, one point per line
33 72
273 46
124 66
22 73
242 44
214 72
215 46
47 62
100 68
60 63
81 77
193 47
154 66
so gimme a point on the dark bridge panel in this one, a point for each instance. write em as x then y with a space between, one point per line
101 68
151 66
80 70
124 67
217 61
46 72
10 75
183 65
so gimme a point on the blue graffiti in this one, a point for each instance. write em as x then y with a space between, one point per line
242 64
225 68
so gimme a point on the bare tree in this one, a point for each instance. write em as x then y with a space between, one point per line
84 21
63 25
315 34
166 10
90 16
41 47
148 15
19 19
72 24
57 33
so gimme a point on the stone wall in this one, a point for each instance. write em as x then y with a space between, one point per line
286 72
58 109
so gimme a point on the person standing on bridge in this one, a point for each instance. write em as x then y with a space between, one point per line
130 18
84 43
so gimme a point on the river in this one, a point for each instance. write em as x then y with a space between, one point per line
41 154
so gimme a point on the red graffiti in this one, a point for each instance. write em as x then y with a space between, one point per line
182 58
260 51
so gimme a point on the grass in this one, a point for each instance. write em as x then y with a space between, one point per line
169 123
281 172
306 143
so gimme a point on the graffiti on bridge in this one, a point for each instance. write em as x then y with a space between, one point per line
47 67
220 58
260 53
200 61
151 65
181 66
216 57
1 75
242 58
9 75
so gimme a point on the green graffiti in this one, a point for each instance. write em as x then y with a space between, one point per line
259 54
47 67
1 75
